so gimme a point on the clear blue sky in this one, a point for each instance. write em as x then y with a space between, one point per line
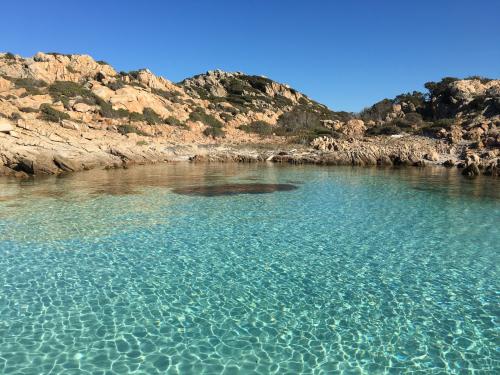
346 54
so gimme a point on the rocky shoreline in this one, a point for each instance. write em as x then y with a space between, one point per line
37 149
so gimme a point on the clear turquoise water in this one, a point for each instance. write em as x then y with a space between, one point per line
357 271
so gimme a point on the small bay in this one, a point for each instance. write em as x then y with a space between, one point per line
206 268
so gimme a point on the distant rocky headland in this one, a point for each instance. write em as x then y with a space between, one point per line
62 113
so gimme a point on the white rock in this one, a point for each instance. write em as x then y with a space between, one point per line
70 125
82 107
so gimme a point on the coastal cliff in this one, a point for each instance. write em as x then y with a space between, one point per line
61 113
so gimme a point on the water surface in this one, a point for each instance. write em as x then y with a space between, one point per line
353 271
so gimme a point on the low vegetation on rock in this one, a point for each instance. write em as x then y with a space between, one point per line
9 56
258 127
32 86
51 114
128 128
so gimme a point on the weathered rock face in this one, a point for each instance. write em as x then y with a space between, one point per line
5 85
159 83
5 126
351 128
462 98
211 82
54 67
217 83
134 99
354 128
416 151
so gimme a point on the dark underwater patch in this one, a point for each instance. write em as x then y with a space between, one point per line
233 189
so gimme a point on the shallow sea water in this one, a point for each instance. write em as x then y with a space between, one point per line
356 271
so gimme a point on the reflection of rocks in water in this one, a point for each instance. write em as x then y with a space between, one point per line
233 189
115 190
7 198
49 194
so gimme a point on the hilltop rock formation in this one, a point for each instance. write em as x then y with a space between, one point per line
61 113
51 67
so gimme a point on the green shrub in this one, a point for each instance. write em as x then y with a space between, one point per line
281 101
378 111
433 127
478 103
237 100
136 116
127 128
441 87
65 90
214 126
141 143
258 127
107 111
28 110
202 92
102 62
416 98
51 114
303 124
480 78
236 86
151 117
257 82
414 118
173 96
137 84
214 132
71 70
69 89
148 115
297 120
401 123
174 121
444 123
32 86
116 85
15 116
9 56
226 116
134 73
263 98
303 101
58 54
199 114
384 130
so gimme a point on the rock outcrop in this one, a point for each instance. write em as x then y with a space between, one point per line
408 150
63 113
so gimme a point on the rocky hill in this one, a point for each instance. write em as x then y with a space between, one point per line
455 109
70 112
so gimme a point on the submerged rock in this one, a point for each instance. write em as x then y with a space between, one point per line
449 163
472 170
233 189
